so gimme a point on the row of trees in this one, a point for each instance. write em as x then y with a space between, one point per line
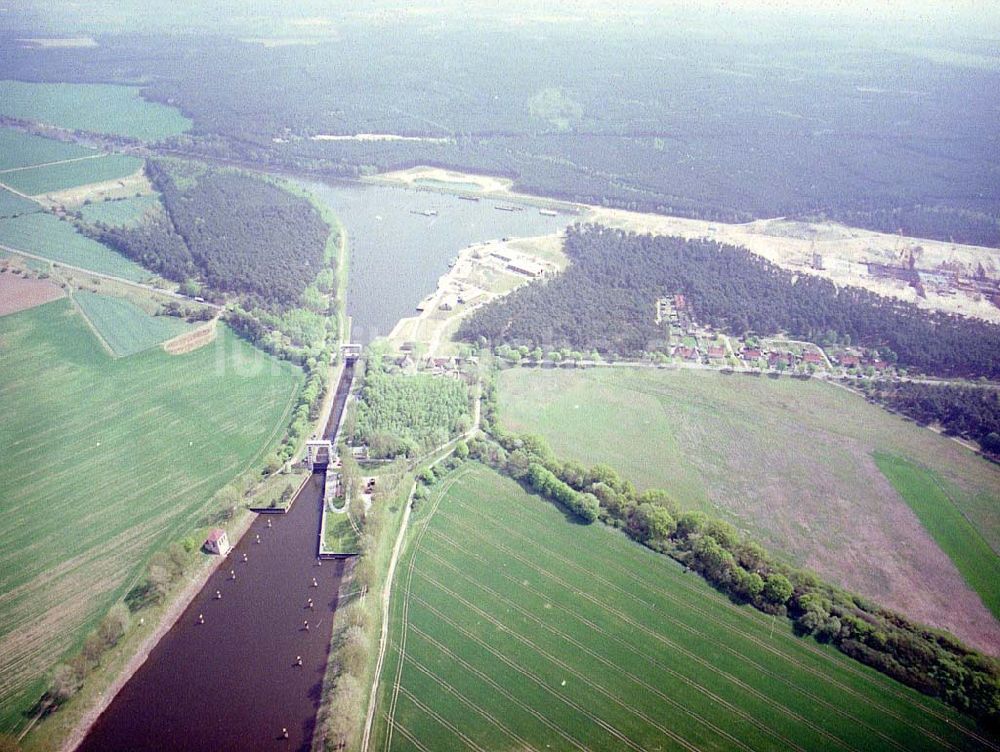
605 301
356 620
164 569
927 659
967 411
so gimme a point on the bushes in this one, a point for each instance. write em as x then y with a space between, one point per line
583 505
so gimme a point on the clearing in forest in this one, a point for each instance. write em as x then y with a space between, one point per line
788 461
98 108
513 627
105 461
120 213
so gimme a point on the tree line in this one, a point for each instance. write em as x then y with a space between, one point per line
929 660
967 411
605 301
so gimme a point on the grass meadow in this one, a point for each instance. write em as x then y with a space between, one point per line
99 108
34 181
513 627
922 490
106 460
119 213
124 327
790 462
45 235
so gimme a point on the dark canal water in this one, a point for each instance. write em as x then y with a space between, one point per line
232 683
397 254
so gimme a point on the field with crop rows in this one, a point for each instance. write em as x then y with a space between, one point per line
125 327
11 205
34 181
105 460
789 461
99 108
45 235
514 628
19 149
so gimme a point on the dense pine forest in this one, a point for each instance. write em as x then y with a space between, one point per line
656 121
231 232
605 300
967 411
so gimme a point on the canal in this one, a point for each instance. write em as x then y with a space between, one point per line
234 682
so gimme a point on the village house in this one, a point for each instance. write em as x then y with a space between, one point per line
716 352
751 353
849 361
786 358
813 357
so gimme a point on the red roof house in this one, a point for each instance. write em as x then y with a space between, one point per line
217 542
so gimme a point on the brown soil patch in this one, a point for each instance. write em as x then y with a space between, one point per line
18 293
191 341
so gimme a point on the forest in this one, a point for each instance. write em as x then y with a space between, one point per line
400 414
605 300
968 411
648 120
230 232
931 661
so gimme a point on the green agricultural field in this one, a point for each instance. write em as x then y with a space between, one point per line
104 461
514 628
120 213
12 205
45 235
124 327
58 177
788 461
922 490
19 149
99 108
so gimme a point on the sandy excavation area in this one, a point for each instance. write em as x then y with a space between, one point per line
844 251
439 178
18 293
